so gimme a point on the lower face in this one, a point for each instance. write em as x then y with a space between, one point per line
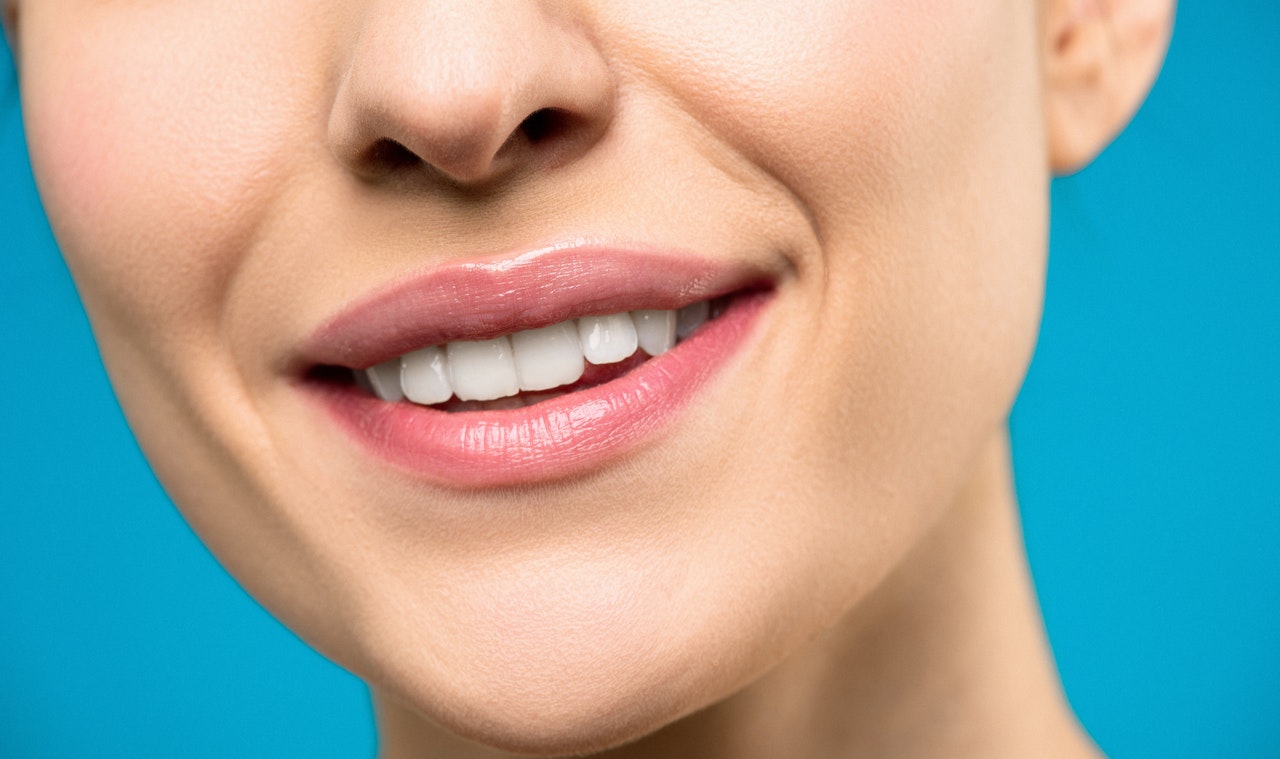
858 187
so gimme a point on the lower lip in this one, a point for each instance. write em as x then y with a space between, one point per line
560 438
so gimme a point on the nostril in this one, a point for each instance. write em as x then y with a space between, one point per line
387 155
546 130
544 124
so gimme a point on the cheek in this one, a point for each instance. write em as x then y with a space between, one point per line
911 135
156 159
828 96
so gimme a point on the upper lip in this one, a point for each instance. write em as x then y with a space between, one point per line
479 299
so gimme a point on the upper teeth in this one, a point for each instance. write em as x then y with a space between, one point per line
532 360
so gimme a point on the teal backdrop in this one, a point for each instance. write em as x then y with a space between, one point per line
1146 443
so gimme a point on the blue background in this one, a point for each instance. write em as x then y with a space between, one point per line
1146 442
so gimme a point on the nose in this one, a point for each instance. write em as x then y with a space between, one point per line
468 90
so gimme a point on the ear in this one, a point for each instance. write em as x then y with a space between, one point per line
1101 58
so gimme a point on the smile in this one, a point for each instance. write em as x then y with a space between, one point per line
534 365
535 368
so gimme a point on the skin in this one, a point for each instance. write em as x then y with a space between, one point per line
821 557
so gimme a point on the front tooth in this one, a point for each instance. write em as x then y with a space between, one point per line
692 316
607 339
482 370
424 375
547 357
655 330
385 380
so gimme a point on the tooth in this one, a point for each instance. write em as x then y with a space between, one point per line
385 380
607 339
482 370
424 375
547 357
655 330
692 316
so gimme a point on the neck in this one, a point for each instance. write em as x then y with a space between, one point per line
947 657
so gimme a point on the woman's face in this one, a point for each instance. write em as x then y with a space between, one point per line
257 199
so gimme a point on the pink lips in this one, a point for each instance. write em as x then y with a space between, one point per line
557 438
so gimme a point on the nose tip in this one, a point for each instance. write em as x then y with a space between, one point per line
467 90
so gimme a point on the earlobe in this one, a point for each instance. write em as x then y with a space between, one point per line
1100 59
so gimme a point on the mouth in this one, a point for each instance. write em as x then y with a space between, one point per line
541 367
534 365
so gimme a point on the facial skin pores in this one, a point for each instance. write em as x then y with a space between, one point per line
565 370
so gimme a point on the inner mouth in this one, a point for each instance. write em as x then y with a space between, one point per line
530 366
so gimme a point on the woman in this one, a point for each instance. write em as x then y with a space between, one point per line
783 526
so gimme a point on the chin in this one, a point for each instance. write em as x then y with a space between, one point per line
572 724
555 703
553 664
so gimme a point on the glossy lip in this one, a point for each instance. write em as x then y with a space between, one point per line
476 300
558 438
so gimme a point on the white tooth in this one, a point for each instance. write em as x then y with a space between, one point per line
547 357
385 380
655 330
482 370
607 339
424 375
692 316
